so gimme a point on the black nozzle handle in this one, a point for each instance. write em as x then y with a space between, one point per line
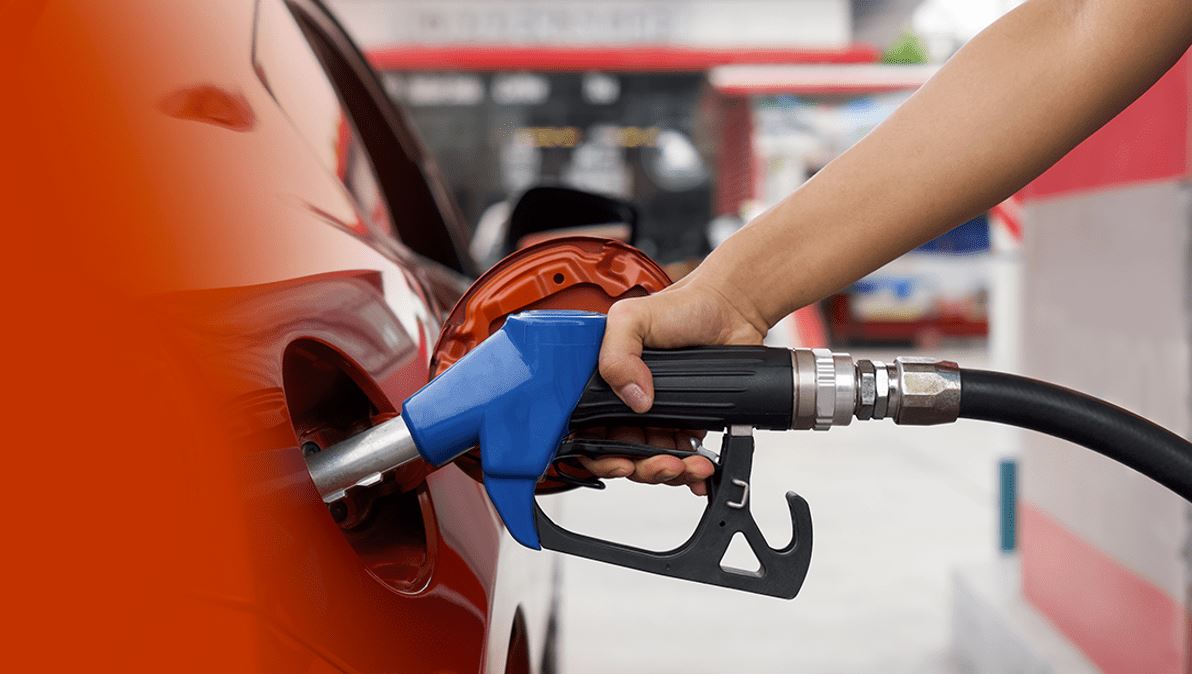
707 387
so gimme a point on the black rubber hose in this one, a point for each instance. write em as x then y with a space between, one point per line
1108 429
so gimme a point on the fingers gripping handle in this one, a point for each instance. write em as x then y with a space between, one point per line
708 388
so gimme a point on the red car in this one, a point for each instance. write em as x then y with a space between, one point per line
232 250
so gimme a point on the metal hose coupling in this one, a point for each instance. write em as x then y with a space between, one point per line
830 389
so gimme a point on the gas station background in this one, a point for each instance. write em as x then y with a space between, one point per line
699 126
703 113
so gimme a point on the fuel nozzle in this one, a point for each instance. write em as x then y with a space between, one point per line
526 394
511 396
708 387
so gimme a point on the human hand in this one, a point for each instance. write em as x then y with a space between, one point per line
689 313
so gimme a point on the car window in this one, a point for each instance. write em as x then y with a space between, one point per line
299 83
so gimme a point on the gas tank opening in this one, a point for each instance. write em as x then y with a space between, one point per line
390 524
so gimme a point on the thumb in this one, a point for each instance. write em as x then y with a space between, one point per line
621 362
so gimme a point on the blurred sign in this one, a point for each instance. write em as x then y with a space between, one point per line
570 136
601 89
550 136
698 23
520 89
438 89
532 22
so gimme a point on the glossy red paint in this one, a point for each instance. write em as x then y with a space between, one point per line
365 598
212 105
197 293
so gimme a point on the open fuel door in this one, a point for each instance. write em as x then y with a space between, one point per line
576 272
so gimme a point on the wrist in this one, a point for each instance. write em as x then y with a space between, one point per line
793 254
717 276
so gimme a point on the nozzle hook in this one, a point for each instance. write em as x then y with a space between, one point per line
781 572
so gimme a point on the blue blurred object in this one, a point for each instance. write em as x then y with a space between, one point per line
971 237
900 286
1007 471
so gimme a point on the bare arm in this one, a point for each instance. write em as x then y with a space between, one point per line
1009 104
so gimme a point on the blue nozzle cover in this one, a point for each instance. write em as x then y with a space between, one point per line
513 395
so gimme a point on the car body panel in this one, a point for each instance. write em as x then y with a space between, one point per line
187 247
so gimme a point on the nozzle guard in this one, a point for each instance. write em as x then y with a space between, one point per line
512 395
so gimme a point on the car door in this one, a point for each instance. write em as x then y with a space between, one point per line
366 583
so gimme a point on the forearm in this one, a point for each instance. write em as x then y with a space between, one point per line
1007 106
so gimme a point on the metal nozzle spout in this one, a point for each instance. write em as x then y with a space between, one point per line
362 459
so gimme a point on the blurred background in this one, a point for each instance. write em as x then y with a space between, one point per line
967 548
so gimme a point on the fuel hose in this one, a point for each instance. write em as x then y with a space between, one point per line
1076 417
713 387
